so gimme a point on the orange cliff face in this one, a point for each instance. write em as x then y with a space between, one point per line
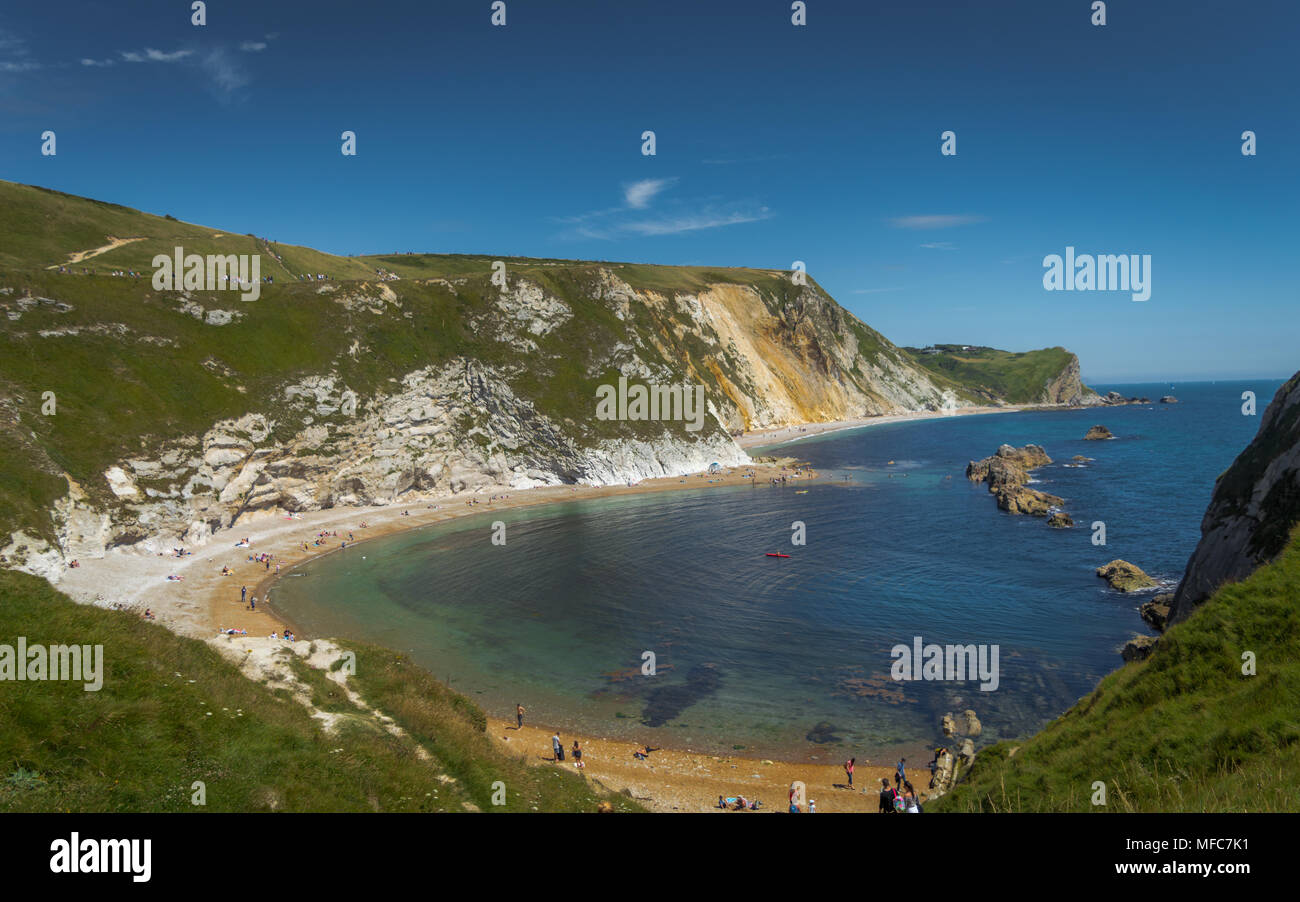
792 362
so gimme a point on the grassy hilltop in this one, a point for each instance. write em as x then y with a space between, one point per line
1019 377
134 369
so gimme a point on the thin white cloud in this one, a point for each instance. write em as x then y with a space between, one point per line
689 220
937 221
940 245
693 222
682 216
101 63
155 56
638 195
225 74
14 56
253 46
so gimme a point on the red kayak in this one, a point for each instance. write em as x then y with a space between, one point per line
776 554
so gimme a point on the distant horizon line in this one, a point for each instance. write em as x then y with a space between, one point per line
1195 380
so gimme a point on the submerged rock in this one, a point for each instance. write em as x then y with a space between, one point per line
1125 577
667 702
824 732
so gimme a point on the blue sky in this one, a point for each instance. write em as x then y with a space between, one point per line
775 143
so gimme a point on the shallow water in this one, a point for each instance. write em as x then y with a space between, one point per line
791 657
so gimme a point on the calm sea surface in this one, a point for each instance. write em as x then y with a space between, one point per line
791 657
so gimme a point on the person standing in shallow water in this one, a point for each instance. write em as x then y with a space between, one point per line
519 716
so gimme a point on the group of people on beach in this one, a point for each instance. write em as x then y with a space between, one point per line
557 748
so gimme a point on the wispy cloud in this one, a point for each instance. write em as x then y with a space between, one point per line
940 245
155 56
693 222
225 74
936 221
638 195
253 46
14 55
680 216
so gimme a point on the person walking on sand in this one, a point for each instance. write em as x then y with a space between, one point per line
519 716
557 747
243 594
848 769
900 772
577 754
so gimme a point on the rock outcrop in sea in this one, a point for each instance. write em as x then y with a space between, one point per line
1098 433
1007 474
1156 611
1125 577
1115 399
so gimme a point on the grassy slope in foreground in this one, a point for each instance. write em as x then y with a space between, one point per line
1184 730
172 711
1018 377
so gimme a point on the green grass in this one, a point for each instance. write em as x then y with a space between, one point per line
1016 377
172 711
134 374
1184 730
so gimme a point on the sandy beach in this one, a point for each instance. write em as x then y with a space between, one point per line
782 434
682 780
204 601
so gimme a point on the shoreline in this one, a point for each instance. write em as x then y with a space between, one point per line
204 601
784 435
675 779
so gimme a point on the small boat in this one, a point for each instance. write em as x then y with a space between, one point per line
802 492
776 554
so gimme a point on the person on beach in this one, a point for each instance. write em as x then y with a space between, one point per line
577 754
252 605
900 772
243 593
910 803
886 797
557 747
848 769
519 716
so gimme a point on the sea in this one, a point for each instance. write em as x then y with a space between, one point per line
659 618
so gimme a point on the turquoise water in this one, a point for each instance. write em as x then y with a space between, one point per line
791 657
